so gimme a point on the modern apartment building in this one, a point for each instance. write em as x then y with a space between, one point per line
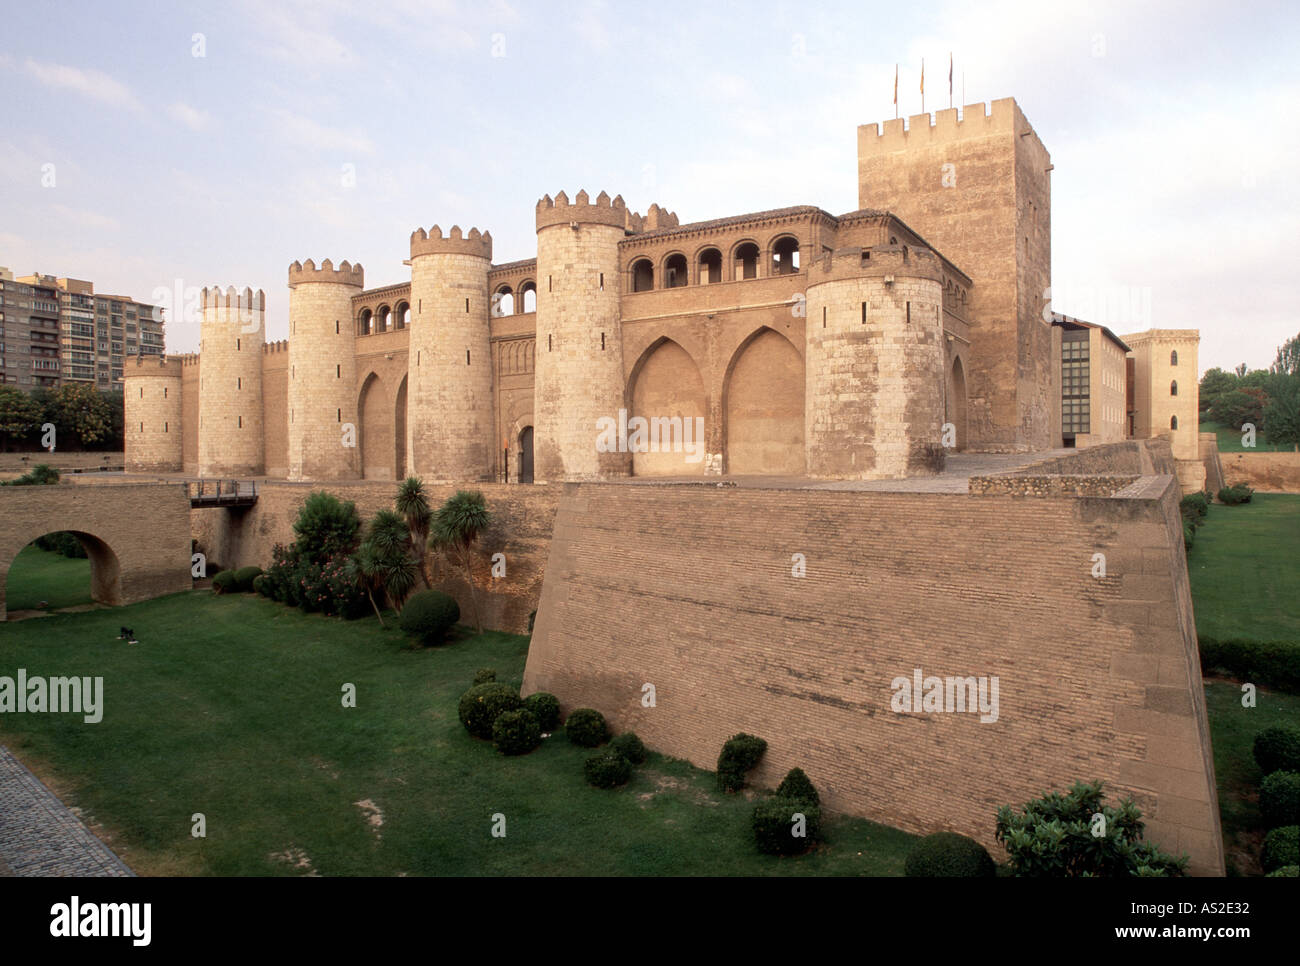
58 330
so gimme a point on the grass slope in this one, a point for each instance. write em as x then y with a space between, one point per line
230 706
40 575
1229 440
1243 570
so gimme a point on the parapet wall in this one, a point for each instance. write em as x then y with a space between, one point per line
603 211
1266 472
678 588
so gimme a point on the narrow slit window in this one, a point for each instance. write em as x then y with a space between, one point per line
909 313
548 343
602 281
548 283
338 371
864 313
823 316
466 357
241 422
239 383
237 348
340 412
336 326
467 305
602 342
165 427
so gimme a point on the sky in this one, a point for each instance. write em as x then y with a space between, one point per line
157 147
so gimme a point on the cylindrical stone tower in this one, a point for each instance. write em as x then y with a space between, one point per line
231 441
579 359
323 433
449 357
875 371
152 398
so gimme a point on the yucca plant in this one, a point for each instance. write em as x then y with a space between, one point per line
413 505
383 561
455 529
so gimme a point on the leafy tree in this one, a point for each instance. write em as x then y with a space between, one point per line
1076 835
19 413
1214 384
412 504
1282 414
326 527
1240 406
1288 358
456 527
80 410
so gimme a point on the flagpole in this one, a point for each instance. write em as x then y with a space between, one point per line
922 85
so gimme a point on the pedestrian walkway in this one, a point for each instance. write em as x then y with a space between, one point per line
39 835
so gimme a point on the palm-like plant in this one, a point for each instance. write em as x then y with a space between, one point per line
383 561
456 526
413 505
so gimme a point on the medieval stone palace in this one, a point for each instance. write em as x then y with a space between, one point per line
783 342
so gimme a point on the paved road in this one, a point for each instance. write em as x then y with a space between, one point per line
39 835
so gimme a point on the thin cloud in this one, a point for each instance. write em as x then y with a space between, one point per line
90 83
191 117
304 132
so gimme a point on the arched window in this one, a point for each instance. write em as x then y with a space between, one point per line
1173 358
1173 388
383 319
402 315
710 266
364 322
1173 422
643 276
503 302
675 271
528 295
785 256
746 261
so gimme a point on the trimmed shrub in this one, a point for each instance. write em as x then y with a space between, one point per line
546 707
1277 749
532 617
1286 872
629 746
741 753
42 474
225 582
778 829
1279 799
244 578
1274 664
1281 847
260 585
607 770
949 855
482 704
516 732
1052 837
798 786
326 527
1234 495
485 675
586 727
1189 535
1195 504
428 615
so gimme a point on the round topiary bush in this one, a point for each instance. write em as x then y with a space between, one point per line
482 704
629 746
740 753
586 727
428 615
245 576
546 707
783 826
1286 872
607 770
1277 749
799 787
485 675
1279 799
261 585
225 582
1281 847
948 854
516 732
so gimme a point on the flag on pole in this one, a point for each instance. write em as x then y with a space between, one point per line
922 85
950 78
895 90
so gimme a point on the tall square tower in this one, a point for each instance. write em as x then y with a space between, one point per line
979 188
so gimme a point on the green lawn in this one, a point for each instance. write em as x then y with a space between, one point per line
230 706
1233 729
1244 571
40 575
1230 440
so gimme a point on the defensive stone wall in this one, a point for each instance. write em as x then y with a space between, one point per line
1266 472
675 587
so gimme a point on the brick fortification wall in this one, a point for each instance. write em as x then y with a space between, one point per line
134 533
1267 472
521 529
677 587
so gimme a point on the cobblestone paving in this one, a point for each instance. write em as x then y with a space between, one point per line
39 835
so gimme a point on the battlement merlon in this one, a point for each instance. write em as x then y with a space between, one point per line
246 301
155 365
1003 117
881 261
432 242
582 211
345 274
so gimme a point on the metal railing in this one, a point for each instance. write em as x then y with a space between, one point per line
221 492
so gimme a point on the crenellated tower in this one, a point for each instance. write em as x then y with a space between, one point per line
579 363
231 438
152 399
875 364
323 438
449 358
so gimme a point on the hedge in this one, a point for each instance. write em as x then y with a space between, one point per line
1273 664
948 854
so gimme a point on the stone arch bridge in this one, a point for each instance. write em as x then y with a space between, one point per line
137 535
